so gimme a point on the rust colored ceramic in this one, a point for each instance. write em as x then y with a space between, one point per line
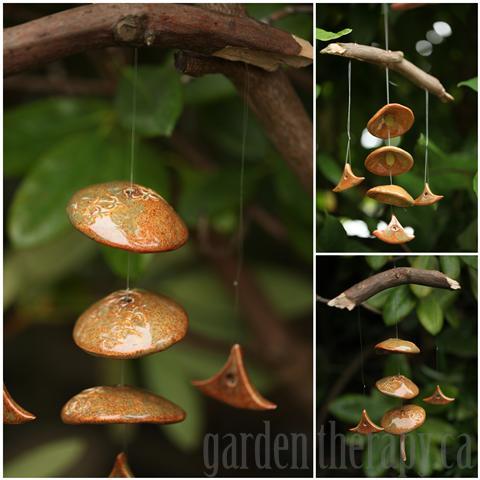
121 469
391 195
386 161
438 398
126 216
392 120
13 413
396 345
348 179
365 425
427 197
394 233
401 420
120 404
232 386
130 324
397 386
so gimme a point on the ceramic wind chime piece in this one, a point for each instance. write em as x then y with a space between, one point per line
392 120
388 160
438 398
130 324
231 385
391 195
348 179
120 404
427 197
397 386
127 216
396 345
366 426
121 469
13 413
394 234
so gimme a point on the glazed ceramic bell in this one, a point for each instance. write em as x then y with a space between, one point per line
120 404
365 425
391 195
427 197
232 386
348 180
127 216
130 324
13 413
386 161
397 386
396 345
121 469
394 233
438 398
392 120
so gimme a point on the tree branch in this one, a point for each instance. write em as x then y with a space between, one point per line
366 306
394 61
182 26
367 288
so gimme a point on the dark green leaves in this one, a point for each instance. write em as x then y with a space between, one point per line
325 36
472 83
399 304
430 315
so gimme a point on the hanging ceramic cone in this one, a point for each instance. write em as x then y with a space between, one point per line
427 197
13 413
348 179
391 195
130 324
392 120
397 386
394 233
438 398
120 404
130 217
121 469
396 345
232 386
365 425
386 161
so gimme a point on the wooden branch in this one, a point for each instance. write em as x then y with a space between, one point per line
366 306
394 61
182 26
394 277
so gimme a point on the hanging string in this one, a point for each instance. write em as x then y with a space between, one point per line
387 78
362 367
348 158
426 137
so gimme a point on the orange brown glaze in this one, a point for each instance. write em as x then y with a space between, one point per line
438 398
391 195
13 413
427 197
388 160
365 425
394 233
348 179
396 345
392 120
407 418
397 386
121 469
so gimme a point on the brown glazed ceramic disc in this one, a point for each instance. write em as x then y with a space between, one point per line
13 413
365 425
397 386
391 195
392 120
385 161
121 469
232 386
130 324
427 197
438 398
348 179
396 345
407 418
394 233
130 217
120 404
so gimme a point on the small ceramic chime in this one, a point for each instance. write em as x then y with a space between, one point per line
13 413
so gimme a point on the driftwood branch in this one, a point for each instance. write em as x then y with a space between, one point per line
394 277
394 61
186 27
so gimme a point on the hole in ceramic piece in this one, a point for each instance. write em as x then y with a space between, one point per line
388 160
392 120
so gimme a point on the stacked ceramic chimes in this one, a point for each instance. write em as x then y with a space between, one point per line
405 418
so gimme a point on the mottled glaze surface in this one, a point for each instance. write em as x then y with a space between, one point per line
388 160
427 197
365 425
396 345
438 398
348 179
391 195
120 404
130 217
394 234
392 120
130 324
232 386
404 419
13 413
121 469
397 386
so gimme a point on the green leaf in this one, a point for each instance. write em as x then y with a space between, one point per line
399 304
376 262
450 266
325 36
332 235
468 238
52 459
425 263
470 260
439 430
208 89
381 454
472 83
379 299
122 262
431 315
453 317
475 184
472 272
159 100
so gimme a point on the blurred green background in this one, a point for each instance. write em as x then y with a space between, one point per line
450 225
442 323
66 125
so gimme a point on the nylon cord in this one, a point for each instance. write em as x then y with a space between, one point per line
360 336
426 174
348 157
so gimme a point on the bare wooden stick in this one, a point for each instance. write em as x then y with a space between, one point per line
394 277
394 61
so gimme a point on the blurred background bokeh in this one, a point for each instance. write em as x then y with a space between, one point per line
66 126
